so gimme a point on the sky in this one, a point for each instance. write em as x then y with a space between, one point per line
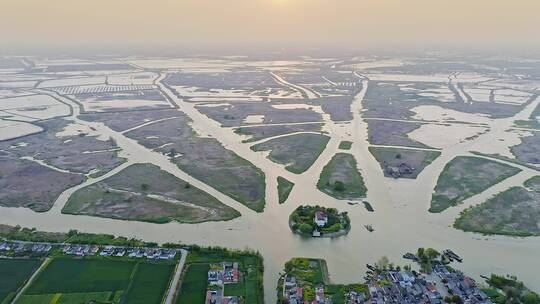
154 24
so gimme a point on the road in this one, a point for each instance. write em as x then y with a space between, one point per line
176 279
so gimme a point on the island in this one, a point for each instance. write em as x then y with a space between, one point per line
317 221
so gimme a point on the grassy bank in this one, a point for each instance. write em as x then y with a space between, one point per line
284 189
513 212
465 176
298 152
144 192
341 179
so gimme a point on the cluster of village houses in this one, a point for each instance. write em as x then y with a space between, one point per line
398 171
25 247
90 250
411 287
219 275
293 293
403 287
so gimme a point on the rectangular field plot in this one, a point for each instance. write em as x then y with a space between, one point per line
74 281
13 274
194 284
101 88
14 129
83 298
76 276
32 107
122 100
149 283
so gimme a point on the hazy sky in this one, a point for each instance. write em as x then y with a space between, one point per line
279 23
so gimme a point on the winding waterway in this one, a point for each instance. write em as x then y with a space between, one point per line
401 220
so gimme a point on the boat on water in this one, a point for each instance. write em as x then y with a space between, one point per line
410 256
369 228
368 206
452 255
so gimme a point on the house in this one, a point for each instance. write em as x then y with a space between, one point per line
321 219
230 300
299 295
214 278
5 246
108 251
405 169
119 252
93 250
319 295
213 297
290 281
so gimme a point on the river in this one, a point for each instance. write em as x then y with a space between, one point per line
401 220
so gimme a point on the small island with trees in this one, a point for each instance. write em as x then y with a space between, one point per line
317 221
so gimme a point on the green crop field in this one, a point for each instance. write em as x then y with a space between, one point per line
238 289
194 284
149 284
13 274
58 298
75 281
64 275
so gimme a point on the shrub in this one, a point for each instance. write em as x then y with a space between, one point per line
306 228
339 186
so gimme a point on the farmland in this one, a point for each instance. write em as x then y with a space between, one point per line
13 274
194 284
68 280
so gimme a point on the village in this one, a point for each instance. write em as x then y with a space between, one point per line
403 286
439 287
219 275
293 293
306 282
20 248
